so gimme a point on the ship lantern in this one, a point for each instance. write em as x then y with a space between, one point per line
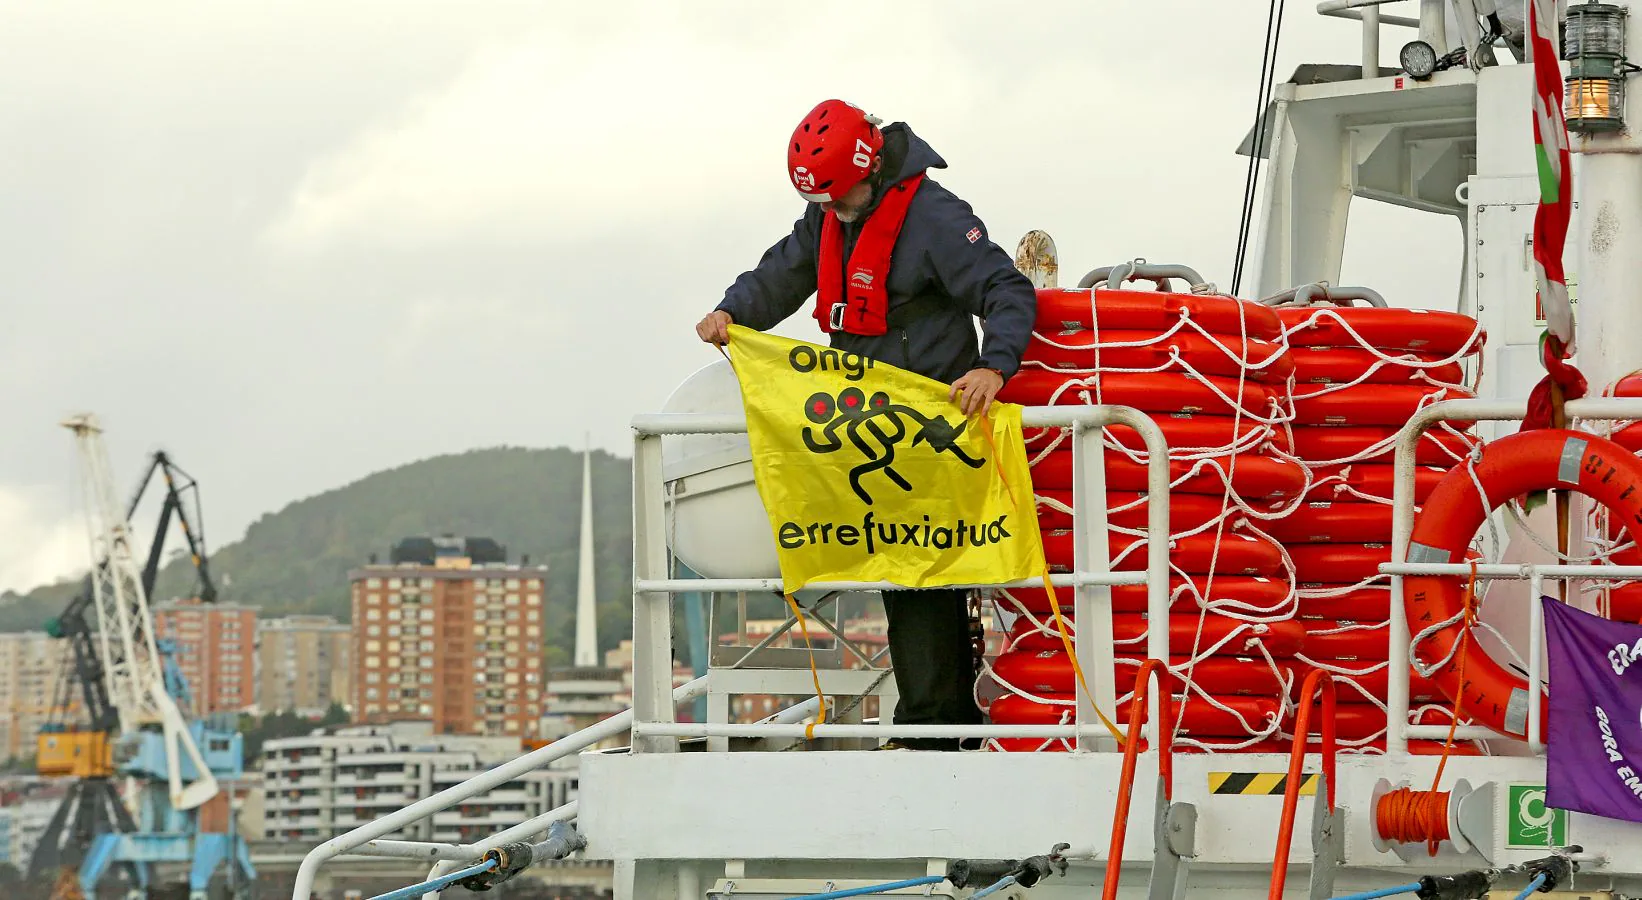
1594 46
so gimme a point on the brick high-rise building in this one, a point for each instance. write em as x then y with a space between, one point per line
216 645
304 664
448 631
29 667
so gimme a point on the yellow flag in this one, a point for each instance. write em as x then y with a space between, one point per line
869 473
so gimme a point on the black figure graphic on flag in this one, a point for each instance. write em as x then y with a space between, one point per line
876 426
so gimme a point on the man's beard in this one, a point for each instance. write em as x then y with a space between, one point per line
846 215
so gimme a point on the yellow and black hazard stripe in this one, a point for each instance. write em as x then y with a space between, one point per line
1259 783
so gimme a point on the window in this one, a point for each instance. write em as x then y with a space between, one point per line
393 646
427 631
393 615
530 678
427 614
393 583
532 631
512 583
373 614
512 599
478 678
533 663
373 582
372 662
425 709
531 615
372 677
512 647
427 678
512 725
425 646
427 662
512 631
479 630
532 694
372 693
510 678
372 708
376 646
513 615
533 583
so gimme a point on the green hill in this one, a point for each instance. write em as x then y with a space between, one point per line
297 560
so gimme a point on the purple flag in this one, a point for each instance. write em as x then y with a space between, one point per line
1594 746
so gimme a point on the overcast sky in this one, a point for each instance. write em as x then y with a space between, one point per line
297 243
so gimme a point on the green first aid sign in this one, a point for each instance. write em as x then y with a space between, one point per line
1529 823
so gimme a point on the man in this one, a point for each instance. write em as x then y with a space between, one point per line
919 267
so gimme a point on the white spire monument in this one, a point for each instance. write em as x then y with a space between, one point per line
587 635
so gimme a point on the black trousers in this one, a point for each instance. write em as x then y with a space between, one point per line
934 665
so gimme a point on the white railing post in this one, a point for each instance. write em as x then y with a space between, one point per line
1092 604
652 610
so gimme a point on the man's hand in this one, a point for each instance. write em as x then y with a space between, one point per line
978 387
715 327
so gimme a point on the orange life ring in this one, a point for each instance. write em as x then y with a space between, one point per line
1369 479
1253 593
1064 309
1227 355
1158 392
1128 509
1282 638
1361 642
1435 332
1254 477
1322 522
1510 467
1239 554
1370 603
1367 404
1338 442
1185 434
1342 365
1196 716
1337 563
1050 672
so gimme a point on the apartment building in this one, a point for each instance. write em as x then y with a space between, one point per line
304 664
216 645
324 784
30 664
450 632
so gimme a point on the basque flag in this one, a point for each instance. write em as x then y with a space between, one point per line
1595 713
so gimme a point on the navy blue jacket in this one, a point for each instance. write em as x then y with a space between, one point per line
943 251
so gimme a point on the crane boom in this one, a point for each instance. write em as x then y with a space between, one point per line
131 664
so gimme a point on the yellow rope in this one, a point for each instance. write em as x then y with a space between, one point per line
1077 669
1054 603
809 730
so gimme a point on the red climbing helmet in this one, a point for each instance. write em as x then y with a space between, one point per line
832 150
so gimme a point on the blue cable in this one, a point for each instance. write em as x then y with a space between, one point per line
1006 881
1383 892
417 890
1536 884
851 892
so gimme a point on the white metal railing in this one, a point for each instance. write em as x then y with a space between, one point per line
1398 729
654 728
651 720
1431 25
363 841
